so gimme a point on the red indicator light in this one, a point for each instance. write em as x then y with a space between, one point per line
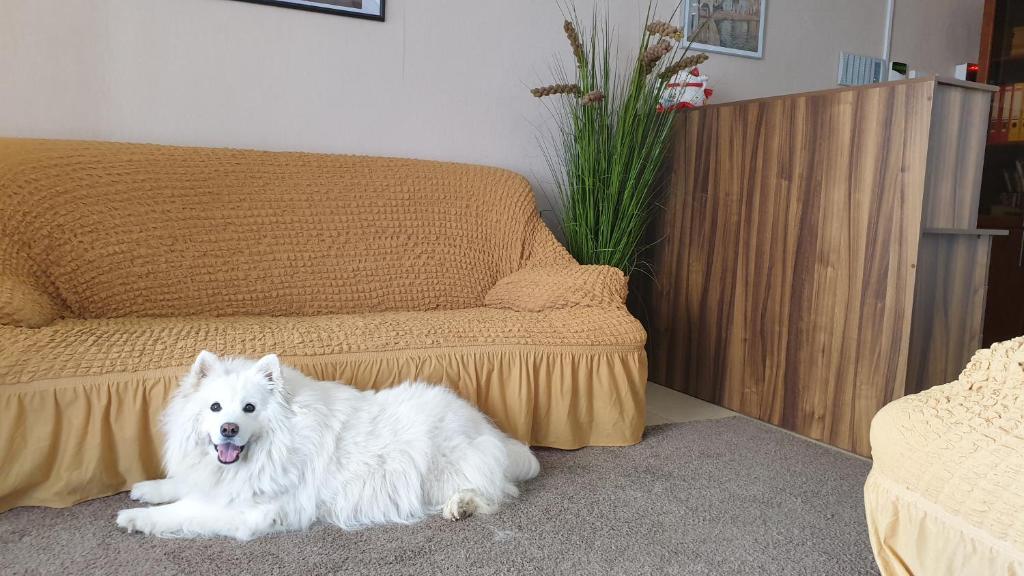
972 67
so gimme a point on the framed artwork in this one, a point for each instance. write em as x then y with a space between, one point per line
369 9
726 26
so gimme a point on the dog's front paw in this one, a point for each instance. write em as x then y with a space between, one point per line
135 520
460 506
150 492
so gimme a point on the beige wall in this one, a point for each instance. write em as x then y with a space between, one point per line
804 39
935 35
440 79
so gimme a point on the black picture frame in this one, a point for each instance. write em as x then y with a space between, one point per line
339 11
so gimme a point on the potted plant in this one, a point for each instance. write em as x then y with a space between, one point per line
611 137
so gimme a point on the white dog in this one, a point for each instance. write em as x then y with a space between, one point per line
257 447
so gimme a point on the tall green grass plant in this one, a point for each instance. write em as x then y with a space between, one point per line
610 140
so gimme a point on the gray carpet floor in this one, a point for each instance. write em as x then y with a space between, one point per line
730 496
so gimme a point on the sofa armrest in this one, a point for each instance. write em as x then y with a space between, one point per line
541 248
25 306
24 299
541 288
548 278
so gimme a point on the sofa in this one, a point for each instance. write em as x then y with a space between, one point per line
120 262
945 494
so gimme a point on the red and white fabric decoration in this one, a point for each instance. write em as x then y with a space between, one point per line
687 89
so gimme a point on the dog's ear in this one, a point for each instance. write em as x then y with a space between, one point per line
205 363
269 369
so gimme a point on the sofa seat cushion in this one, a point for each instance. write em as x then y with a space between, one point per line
74 348
946 490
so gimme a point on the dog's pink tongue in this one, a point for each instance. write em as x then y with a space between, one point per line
228 452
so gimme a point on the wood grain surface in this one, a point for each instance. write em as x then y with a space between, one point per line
956 157
787 261
949 307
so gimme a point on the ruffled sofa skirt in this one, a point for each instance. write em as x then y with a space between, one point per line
66 440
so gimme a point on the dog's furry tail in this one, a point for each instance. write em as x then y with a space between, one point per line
522 464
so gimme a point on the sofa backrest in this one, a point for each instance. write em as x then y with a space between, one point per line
144 230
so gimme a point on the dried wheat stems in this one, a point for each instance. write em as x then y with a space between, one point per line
684 63
571 89
665 29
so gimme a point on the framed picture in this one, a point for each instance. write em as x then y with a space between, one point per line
726 26
369 9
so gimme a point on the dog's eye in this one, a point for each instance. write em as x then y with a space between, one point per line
215 407
248 408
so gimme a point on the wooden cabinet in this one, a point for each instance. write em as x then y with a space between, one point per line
819 253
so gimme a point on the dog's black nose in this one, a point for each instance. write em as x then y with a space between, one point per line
229 429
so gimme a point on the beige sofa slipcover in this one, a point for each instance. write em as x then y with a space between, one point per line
946 491
119 262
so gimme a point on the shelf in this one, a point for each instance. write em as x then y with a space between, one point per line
1001 221
967 231
1012 144
1019 58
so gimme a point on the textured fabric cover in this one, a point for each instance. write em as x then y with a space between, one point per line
119 262
24 305
946 491
536 289
112 230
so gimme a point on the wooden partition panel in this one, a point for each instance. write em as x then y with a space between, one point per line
956 155
786 265
949 307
